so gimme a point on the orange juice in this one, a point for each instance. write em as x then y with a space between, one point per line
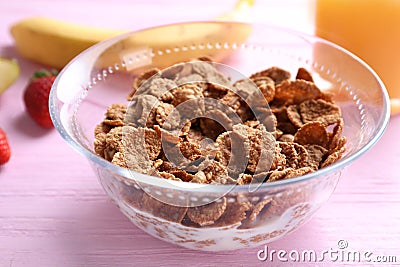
371 30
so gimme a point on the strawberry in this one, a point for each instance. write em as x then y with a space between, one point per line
5 151
36 97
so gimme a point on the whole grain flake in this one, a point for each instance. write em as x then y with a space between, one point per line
265 128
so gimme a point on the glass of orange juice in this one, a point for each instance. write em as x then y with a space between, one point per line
371 30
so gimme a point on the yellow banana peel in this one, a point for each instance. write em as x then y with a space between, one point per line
179 42
55 43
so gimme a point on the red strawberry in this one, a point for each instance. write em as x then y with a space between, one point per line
36 97
5 151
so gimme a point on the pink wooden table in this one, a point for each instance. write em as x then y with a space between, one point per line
53 211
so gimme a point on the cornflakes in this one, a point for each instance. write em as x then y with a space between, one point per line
191 123
295 92
258 208
266 86
303 74
236 211
294 116
209 213
312 133
278 75
115 115
140 79
319 110
162 210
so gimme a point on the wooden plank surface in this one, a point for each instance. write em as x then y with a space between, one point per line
53 211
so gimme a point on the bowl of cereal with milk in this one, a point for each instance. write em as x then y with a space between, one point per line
220 135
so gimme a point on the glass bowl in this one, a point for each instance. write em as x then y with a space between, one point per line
103 75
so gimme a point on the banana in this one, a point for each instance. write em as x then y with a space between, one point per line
239 12
180 42
55 43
